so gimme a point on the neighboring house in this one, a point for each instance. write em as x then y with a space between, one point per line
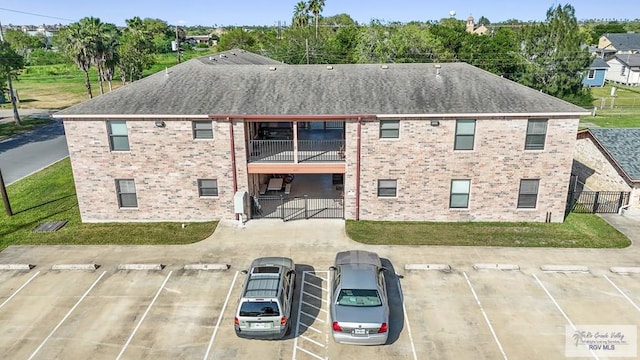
596 75
608 160
199 39
472 28
427 142
624 69
619 44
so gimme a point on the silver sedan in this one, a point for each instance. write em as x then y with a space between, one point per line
359 304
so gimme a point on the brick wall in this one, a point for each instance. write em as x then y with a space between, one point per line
165 163
423 161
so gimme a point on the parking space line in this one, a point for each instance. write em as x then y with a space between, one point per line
299 323
224 306
406 321
312 354
20 288
484 314
622 292
67 315
144 316
313 306
559 308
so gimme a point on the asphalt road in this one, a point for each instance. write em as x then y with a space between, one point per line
30 152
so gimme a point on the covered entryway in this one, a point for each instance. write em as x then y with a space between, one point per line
308 196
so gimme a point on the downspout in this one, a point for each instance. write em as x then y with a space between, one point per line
358 144
233 159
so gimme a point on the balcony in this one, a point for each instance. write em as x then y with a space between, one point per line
307 151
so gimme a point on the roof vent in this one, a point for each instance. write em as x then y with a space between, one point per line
210 58
438 67
384 67
223 55
272 68
329 67
166 71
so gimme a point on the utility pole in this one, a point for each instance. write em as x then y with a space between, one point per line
5 197
177 45
16 116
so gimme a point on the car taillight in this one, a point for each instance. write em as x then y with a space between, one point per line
236 321
383 328
336 327
283 321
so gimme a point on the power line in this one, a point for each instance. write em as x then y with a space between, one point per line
34 14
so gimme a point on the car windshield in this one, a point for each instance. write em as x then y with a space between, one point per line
359 297
259 308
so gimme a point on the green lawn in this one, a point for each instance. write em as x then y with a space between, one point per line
625 113
578 231
50 195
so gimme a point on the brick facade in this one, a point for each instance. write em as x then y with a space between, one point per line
596 172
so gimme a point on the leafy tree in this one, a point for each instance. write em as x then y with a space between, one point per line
484 21
22 42
315 7
339 20
300 15
611 27
554 57
136 50
46 57
238 39
10 65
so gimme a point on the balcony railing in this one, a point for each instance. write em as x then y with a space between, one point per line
308 151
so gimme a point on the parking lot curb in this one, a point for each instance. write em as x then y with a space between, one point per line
496 267
564 268
625 270
156 267
75 266
212 267
16 266
441 267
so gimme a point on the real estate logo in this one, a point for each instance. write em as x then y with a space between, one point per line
601 340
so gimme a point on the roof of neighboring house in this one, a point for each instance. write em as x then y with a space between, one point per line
623 146
195 87
625 41
631 60
599 63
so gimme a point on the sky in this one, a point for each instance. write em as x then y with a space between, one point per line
264 12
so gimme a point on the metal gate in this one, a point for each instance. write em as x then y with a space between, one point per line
597 202
296 208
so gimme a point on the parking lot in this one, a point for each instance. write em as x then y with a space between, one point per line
174 313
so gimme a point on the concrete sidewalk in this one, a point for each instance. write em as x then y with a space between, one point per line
315 242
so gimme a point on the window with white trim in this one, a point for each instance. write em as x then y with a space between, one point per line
387 188
528 193
207 187
465 133
118 136
389 129
459 198
536 134
202 129
126 189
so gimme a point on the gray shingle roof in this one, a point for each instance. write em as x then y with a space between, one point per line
624 42
196 87
599 63
237 57
631 60
623 144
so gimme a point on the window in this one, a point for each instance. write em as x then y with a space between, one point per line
208 187
118 137
528 194
591 75
126 193
202 130
387 188
465 131
459 194
389 129
536 133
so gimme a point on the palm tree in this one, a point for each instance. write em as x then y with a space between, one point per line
74 41
315 7
300 15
